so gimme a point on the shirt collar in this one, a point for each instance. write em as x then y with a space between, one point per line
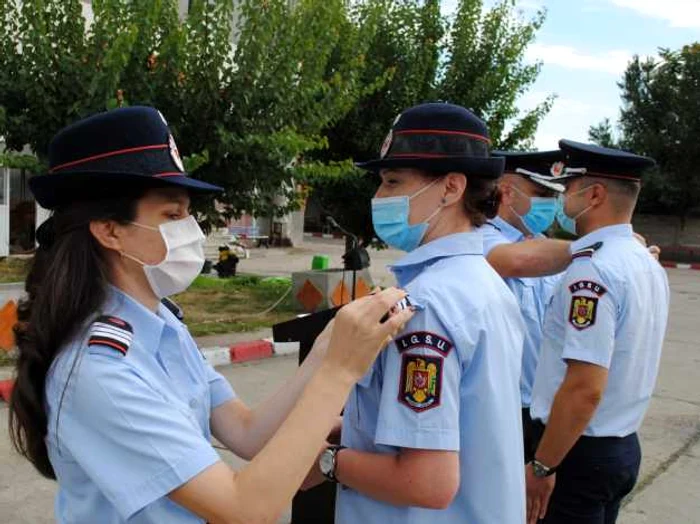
511 233
147 326
471 243
618 230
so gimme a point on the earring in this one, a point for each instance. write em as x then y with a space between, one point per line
444 201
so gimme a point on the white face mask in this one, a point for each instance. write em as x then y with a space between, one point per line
183 261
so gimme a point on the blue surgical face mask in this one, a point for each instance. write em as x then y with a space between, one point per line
390 218
541 214
567 223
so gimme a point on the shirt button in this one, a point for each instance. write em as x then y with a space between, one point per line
193 403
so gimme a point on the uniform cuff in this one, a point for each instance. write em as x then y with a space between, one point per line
599 359
158 486
434 439
220 391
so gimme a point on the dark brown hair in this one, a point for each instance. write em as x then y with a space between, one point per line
481 198
67 284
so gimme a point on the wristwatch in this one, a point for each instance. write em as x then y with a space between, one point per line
540 470
328 462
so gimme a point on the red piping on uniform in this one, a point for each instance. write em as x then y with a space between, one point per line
105 155
107 343
440 132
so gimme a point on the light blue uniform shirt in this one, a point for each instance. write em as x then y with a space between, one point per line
126 429
610 309
448 382
532 295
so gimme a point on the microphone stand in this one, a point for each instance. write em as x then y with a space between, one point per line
355 258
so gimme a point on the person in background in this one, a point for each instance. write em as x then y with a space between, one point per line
601 348
527 210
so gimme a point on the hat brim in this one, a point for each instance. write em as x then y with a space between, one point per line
54 190
482 167
546 182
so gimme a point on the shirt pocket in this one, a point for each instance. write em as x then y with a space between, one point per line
529 299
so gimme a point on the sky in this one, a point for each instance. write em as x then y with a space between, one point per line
585 45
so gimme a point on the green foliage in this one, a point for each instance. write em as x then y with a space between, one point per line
603 134
475 60
265 98
660 118
246 86
486 70
19 161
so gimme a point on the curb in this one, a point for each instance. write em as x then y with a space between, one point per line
217 356
325 235
677 265
248 351
6 389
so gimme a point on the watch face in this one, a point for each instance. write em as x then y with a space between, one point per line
326 462
539 470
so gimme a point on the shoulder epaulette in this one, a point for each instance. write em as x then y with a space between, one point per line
173 308
586 251
112 332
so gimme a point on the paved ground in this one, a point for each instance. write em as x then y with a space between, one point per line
670 478
283 262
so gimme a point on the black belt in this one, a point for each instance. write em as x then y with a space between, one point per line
583 439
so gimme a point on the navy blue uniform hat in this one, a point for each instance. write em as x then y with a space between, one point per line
115 151
591 160
541 167
438 138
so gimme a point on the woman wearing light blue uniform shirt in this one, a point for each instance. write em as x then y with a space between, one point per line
112 398
432 433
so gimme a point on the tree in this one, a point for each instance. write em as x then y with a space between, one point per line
243 100
402 67
660 118
603 134
486 70
476 60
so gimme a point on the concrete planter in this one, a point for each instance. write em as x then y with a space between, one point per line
323 289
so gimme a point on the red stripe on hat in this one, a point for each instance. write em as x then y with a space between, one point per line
440 132
169 173
420 155
105 155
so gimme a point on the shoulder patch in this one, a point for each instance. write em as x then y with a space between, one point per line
583 311
588 285
112 332
586 251
424 339
421 382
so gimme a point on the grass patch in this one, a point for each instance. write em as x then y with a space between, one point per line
13 269
214 306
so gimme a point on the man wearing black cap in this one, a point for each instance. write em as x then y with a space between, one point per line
602 340
528 208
